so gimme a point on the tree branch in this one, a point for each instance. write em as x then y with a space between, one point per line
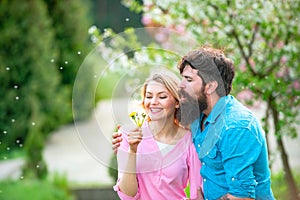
240 46
256 27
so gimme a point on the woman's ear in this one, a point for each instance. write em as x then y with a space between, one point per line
211 87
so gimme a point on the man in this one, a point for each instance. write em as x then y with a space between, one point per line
228 138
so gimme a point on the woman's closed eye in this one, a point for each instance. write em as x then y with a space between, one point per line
160 97
163 97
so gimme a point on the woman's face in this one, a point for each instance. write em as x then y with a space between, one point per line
159 102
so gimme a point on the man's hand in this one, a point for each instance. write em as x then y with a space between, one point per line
230 197
116 140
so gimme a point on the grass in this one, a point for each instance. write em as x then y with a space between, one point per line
279 186
33 190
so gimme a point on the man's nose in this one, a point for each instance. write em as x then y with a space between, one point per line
181 84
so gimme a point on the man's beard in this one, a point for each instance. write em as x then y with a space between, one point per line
191 107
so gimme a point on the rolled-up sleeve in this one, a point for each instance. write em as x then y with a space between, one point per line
240 148
124 196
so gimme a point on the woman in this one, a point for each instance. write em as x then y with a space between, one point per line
158 160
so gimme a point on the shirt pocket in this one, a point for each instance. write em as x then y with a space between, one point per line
213 159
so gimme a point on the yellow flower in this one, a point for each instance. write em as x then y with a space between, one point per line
133 115
138 118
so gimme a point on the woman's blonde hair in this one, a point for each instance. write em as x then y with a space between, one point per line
169 80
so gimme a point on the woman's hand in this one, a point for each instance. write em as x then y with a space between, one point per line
134 134
134 138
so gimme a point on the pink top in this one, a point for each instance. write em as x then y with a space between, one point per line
162 177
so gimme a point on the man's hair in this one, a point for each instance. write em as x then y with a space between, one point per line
212 65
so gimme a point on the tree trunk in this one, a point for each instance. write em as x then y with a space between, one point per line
266 128
292 187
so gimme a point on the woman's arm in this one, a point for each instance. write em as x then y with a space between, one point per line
128 184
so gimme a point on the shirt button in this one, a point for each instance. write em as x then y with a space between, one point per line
204 180
199 145
203 163
232 179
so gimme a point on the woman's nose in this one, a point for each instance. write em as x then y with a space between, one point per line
154 100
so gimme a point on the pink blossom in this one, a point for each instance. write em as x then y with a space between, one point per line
280 44
161 37
212 30
180 28
245 95
251 62
146 19
167 45
296 85
243 67
284 71
283 59
205 22
270 44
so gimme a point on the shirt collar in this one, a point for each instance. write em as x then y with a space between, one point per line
218 109
212 117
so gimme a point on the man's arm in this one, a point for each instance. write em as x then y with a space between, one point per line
240 148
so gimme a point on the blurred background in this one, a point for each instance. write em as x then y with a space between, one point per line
71 69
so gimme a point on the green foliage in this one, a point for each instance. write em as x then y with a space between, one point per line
33 190
35 165
60 181
70 21
280 188
42 44
111 13
29 80
113 168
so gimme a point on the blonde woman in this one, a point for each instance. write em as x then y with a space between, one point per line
158 160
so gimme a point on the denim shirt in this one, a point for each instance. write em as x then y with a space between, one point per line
233 152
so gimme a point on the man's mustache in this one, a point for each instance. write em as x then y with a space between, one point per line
182 93
185 95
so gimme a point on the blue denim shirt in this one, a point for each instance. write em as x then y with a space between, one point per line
233 152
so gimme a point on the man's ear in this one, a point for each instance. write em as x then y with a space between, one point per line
211 87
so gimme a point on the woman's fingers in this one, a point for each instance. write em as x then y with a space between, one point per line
135 136
134 139
129 128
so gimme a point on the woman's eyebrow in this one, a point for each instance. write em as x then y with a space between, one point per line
161 92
